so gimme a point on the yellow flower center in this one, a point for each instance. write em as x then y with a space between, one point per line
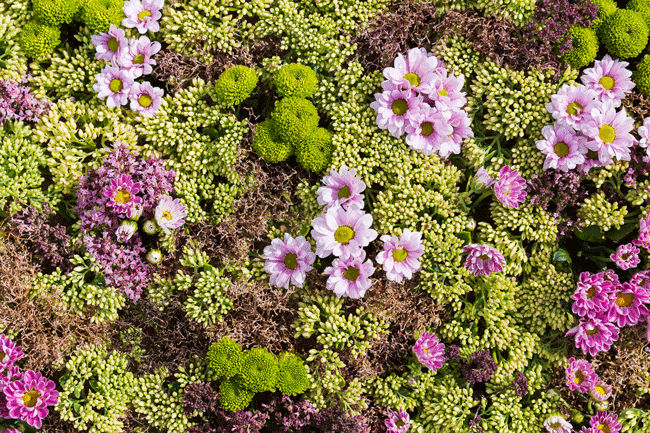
443 92
483 257
143 14
413 79
625 299
122 196
573 108
116 85
291 261
399 423
351 273
556 424
591 331
604 428
139 59
400 255
31 398
399 107
607 82
344 235
427 128
113 44
600 390
591 292
579 378
344 192
145 100
167 215
606 133
561 149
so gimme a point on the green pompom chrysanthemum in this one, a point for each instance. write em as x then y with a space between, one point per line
585 47
296 80
100 14
225 357
294 118
268 145
641 76
55 12
292 375
236 84
624 34
642 7
234 395
38 40
259 370
314 151
605 9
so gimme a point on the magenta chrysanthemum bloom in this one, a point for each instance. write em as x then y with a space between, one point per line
429 132
288 261
609 275
644 134
342 231
10 430
628 306
605 422
401 256
9 352
145 98
608 133
396 108
429 351
642 279
594 334
626 256
114 84
484 177
461 122
643 241
557 424
341 189
609 79
350 276
580 376
137 58
572 105
483 259
397 422
143 15
510 189
593 295
564 149
121 194
417 71
169 214
600 391
111 46
447 92
29 397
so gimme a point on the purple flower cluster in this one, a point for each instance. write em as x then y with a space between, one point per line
520 384
604 304
423 101
23 395
480 367
201 397
17 103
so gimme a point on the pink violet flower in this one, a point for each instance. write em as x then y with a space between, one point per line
396 108
429 351
121 194
557 424
398 421
137 58
484 177
342 231
594 334
447 92
572 105
510 189
401 256
609 133
609 79
114 84
350 276
9 352
430 131
112 45
483 259
143 15
600 391
605 422
580 376
644 134
461 122
169 214
288 261
145 98
417 71
564 149
593 295
29 397
342 188
628 306
626 256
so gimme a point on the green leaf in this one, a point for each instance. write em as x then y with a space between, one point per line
562 256
464 236
617 235
94 385
77 393
77 407
590 234
213 133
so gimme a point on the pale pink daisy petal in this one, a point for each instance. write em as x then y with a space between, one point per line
461 123
401 256
564 149
341 188
626 256
417 71
600 391
592 160
350 276
145 99
484 177
609 133
288 261
429 351
138 57
342 232
111 45
121 194
483 259
430 131
609 79
169 214
396 108
510 189
114 84
447 92
557 424
572 105
9 352
580 375
627 308
594 334
593 295
143 15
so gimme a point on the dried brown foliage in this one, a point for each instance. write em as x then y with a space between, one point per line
637 106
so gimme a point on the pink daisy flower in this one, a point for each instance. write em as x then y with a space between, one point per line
626 256
121 194
644 134
593 295
609 133
627 307
9 352
401 256
580 376
461 122
143 15
145 98
29 397
642 279
572 105
112 45
341 189
398 421
609 79
288 261
564 149
429 351
169 214
417 71
600 391
114 84
396 108
593 335
557 424
10 430
605 422
350 276
483 259
342 231
510 189
643 241
484 177
591 160
126 230
429 132
609 275
137 58
447 92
